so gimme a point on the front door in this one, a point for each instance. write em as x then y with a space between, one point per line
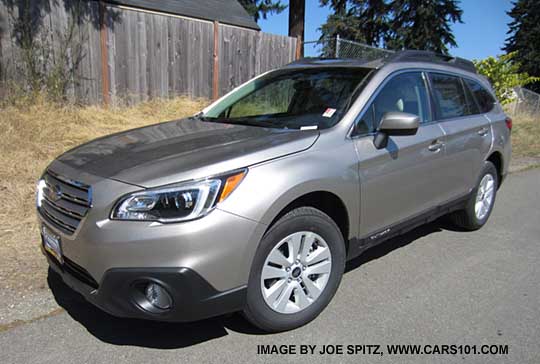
403 179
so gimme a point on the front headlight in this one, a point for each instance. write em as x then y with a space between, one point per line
40 191
179 202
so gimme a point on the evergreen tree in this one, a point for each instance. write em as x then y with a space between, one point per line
423 24
262 8
396 24
339 6
524 37
363 21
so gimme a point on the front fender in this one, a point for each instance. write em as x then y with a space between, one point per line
269 187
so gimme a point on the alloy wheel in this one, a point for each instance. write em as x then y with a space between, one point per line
296 272
484 196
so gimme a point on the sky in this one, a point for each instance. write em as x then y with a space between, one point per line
481 34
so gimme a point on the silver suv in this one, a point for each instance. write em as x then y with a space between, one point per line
256 203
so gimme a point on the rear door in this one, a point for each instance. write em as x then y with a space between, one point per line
467 133
404 179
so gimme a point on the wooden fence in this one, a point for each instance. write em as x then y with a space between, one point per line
130 55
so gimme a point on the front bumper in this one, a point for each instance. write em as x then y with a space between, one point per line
106 267
203 261
119 294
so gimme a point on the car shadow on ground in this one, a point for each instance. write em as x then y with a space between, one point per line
143 333
397 242
151 334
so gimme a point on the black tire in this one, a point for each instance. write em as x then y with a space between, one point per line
257 311
466 219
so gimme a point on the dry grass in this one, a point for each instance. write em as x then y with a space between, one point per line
526 136
32 135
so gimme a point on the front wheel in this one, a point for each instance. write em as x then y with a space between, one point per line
296 271
481 202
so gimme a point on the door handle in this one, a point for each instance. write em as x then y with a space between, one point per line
435 146
483 132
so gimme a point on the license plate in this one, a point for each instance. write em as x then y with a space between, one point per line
51 243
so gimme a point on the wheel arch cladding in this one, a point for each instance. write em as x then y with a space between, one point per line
325 201
497 160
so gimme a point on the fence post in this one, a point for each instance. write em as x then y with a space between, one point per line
105 83
215 80
337 46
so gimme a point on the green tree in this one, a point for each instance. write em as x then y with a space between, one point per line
423 24
524 37
504 74
339 6
396 24
262 8
364 21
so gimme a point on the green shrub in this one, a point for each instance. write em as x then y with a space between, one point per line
503 73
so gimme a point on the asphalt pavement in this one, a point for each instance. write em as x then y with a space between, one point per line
433 286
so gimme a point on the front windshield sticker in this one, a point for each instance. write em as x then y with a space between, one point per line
329 112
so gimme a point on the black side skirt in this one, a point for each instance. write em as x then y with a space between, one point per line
358 245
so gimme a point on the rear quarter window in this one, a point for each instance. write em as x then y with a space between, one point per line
483 97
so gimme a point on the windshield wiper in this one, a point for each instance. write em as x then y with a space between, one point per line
245 121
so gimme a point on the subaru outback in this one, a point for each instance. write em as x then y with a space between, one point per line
256 203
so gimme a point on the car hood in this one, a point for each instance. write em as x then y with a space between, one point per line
182 150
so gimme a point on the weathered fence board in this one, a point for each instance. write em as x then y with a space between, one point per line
53 22
148 54
88 74
153 55
5 47
247 53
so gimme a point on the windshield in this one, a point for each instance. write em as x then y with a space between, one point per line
314 98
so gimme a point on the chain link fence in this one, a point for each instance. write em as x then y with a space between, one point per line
324 48
349 49
343 48
526 104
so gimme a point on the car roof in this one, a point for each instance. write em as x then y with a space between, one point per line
409 56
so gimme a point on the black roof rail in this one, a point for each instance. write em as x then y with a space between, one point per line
338 62
431 57
315 60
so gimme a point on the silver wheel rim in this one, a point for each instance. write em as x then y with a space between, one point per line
484 196
296 272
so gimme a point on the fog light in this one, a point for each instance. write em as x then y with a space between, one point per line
158 296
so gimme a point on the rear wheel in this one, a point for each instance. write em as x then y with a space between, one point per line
296 270
481 202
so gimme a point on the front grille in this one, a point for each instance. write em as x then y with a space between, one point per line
65 202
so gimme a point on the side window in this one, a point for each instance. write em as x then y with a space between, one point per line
483 97
449 96
406 92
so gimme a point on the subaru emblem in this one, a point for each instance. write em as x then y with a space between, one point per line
55 193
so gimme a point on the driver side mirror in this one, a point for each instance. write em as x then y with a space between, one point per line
395 123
